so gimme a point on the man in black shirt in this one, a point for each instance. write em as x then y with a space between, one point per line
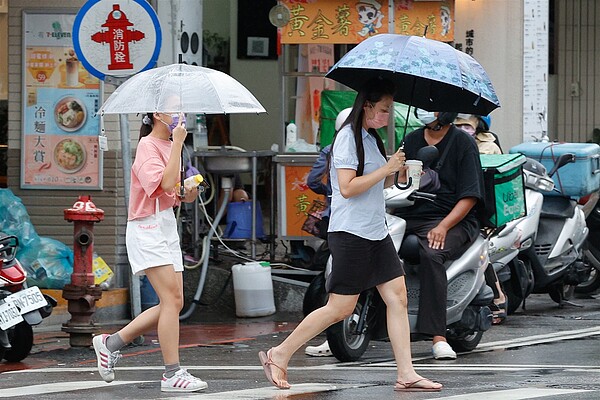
446 226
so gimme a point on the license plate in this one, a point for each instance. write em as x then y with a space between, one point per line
9 315
28 300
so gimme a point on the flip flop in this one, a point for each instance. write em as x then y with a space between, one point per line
266 361
498 313
410 386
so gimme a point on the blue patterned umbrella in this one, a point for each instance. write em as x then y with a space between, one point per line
428 74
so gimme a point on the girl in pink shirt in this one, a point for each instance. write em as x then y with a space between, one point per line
153 249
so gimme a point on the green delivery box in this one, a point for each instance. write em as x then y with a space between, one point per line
504 198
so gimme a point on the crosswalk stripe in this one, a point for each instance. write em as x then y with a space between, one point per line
530 340
513 394
271 392
58 387
374 365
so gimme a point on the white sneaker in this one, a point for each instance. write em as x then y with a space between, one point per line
182 381
106 359
443 351
319 351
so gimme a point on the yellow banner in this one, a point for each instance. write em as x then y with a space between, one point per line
340 21
298 199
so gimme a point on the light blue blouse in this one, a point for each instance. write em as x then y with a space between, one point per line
362 215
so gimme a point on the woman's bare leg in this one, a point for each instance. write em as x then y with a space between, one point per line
393 294
168 285
337 308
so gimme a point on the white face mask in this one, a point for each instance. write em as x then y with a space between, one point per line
467 128
426 117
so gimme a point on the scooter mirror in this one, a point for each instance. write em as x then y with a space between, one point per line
563 160
427 154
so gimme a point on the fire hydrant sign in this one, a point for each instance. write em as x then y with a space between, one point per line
117 38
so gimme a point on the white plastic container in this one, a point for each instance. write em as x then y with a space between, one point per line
200 137
253 290
291 134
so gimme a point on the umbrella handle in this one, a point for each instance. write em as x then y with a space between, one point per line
408 182
181 187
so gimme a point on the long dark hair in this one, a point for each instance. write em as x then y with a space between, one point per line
146 128
372 92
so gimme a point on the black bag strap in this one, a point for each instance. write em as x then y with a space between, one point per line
446 149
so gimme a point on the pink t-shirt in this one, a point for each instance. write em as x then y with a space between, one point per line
147 171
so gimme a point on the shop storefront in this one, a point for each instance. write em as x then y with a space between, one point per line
314 35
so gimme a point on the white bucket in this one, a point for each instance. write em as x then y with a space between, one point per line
253 290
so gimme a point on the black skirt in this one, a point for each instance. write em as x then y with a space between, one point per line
360 264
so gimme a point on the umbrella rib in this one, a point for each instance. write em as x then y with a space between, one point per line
218 94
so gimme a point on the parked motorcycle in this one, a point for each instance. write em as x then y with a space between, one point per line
21 307
553 239
591 253
468 296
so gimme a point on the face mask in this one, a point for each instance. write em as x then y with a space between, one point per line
467 128
425 117
175 122
379 120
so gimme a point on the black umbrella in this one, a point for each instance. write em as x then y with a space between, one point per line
428 74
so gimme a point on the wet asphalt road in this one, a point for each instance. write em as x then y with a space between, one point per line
544 352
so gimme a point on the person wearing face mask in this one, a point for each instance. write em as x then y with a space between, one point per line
362 250
478 128
485 140
153 249
446 226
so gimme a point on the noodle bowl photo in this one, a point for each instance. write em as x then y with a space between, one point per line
69 156
69 114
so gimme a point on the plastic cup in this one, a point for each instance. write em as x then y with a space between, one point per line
415 169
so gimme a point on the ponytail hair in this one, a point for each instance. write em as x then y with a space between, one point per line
147 124
372 92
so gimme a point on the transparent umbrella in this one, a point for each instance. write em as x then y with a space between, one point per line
181 88
171 89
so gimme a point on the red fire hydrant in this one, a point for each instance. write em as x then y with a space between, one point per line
82 293
118 35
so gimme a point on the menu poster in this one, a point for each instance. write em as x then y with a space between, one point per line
60 100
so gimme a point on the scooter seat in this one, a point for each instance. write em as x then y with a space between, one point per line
558 207
409 250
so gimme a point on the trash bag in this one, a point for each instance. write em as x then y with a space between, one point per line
14 220
48 262
50 265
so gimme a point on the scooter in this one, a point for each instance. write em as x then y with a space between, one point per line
592 248
468 314
21 307
553 239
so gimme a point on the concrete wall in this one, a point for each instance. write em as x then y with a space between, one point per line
3 49
498 46
262 78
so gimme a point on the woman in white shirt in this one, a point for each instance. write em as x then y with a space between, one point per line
363 253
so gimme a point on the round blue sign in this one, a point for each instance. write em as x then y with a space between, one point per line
117 38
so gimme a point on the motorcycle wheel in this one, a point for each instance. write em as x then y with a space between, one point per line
593 282
591 285
21 340
560 292
344 342
315 295
466 343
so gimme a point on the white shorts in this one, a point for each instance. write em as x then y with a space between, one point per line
153 241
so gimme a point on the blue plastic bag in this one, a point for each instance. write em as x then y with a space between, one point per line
48 262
